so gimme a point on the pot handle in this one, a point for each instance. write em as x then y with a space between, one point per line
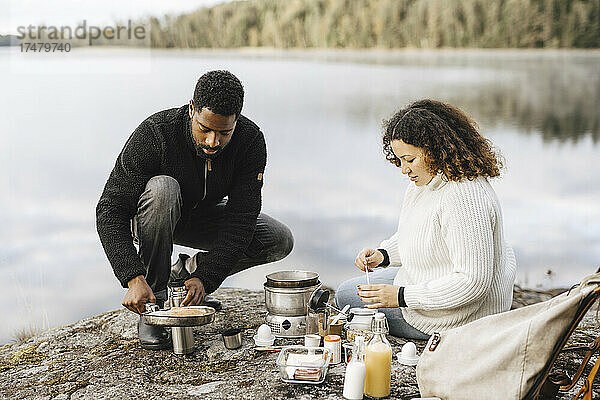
319 299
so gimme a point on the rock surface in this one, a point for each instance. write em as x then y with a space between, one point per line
100 358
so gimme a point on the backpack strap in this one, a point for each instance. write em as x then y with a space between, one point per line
586 389
591 349
551 385
542 386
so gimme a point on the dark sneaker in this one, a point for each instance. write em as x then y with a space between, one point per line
180 273
178 270
154 337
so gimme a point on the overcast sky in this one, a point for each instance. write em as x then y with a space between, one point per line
14 13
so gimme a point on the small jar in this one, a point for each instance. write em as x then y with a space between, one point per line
353 332
338 327
362 318
334 344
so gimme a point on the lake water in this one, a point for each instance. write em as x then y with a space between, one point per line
64 118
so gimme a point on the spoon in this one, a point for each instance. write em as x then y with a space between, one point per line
337 317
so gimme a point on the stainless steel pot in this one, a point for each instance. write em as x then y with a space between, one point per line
292 279
287 293
288 301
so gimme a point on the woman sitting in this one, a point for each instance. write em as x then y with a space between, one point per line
452 264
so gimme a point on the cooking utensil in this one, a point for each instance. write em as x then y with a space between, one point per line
288 301
162 317
319 304
232 338
319 299
183 337
269 349
341 314
292 279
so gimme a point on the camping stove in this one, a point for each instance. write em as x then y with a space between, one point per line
286 326
287 294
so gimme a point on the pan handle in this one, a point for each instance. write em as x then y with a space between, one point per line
151 307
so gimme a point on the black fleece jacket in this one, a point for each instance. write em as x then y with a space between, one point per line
162 145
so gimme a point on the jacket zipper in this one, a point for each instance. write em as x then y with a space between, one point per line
207 167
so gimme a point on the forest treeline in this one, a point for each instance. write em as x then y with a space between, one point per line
385 24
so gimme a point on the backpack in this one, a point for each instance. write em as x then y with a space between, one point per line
510 355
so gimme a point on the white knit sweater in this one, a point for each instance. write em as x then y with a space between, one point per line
455 265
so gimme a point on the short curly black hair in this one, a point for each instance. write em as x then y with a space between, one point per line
221 92
449 138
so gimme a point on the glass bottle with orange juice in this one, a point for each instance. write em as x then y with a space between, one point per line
378 360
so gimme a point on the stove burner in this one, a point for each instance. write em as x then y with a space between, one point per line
285 326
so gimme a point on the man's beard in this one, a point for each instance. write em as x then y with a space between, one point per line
203 146
199 147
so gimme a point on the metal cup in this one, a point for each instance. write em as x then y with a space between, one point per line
312 340
183 338
232 338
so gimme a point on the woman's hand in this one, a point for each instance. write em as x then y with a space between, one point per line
379 296
369 258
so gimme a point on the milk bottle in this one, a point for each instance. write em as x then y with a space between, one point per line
354 380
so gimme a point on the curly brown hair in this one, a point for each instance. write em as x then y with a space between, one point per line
448 137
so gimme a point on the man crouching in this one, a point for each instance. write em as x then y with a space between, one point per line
169 185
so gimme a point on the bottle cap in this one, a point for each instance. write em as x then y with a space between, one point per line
380 315
332 338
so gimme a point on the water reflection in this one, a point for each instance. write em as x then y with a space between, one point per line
326 176
559 103
552 94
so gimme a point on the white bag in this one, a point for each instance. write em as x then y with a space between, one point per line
499 356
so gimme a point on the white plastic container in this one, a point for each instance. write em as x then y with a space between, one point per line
334 344
312 340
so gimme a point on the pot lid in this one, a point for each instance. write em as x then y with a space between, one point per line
294 279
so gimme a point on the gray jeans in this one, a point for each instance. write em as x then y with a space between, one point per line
156 228
347 293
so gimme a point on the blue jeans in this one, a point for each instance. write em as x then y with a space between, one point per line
157 226
347 293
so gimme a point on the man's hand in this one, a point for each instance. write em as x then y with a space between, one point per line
379 296
138 295
368 258
195 293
